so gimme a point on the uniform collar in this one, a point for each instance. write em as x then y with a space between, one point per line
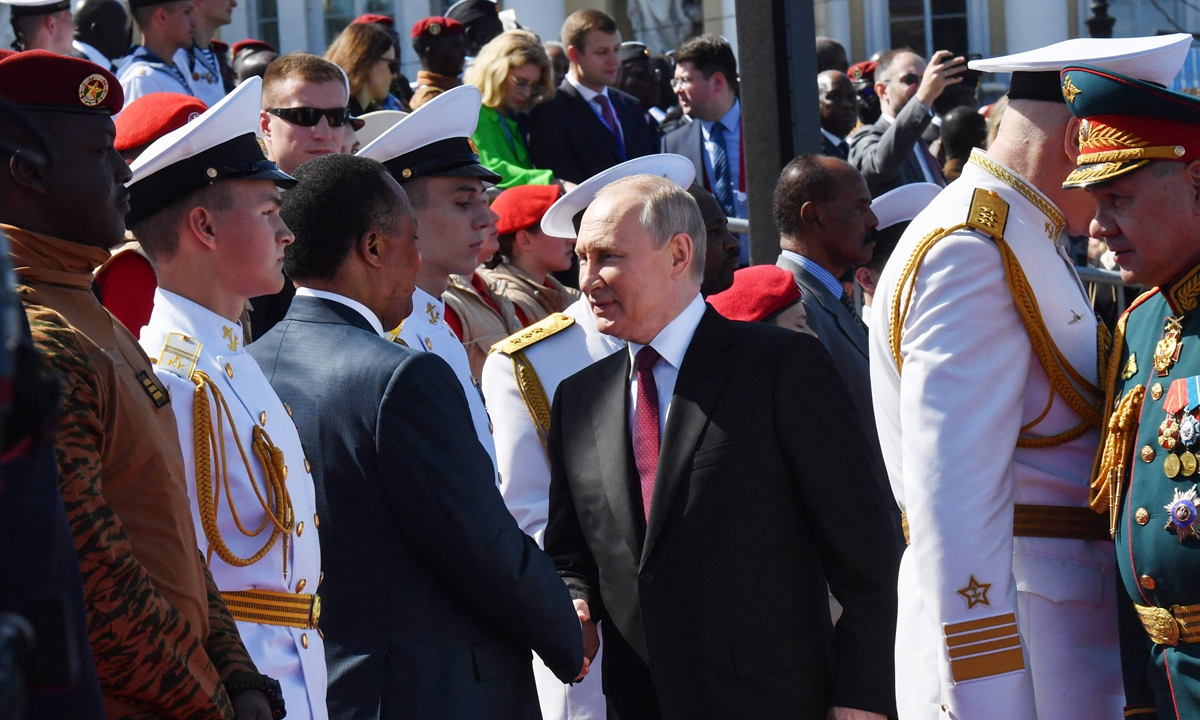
175 313
427 309
45 259
1183 294
1056 222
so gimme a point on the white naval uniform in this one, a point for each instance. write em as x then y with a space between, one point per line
140 75
526 470
293 656
948 426
425 329
204 80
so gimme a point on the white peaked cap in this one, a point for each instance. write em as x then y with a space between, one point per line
1156 59
222 143
904 203
376 123
559 220
435 139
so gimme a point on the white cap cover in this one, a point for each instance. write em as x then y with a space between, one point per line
559 220
1156 59
904 203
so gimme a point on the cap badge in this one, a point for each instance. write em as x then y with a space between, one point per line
406 173
93 90
262 146
1085 130
856 73
1069 89
193 116
211 172
435 29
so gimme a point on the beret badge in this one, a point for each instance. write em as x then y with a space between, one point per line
435 29
93 90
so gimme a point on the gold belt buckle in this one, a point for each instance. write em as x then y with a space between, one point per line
1160 624
314 615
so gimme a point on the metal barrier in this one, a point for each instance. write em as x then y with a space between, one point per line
739 226
1094 278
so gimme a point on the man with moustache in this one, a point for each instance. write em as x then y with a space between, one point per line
839 112
697 500
984 379
433 596
1139 161
163 640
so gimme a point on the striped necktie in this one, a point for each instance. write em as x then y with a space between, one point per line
722 184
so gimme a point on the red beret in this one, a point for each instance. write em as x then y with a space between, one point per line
436 26
373 19
151 116
254 45
42 80
758 292
862 70
523 206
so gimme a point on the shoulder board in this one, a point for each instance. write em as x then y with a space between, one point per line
538 331
179 355
988 213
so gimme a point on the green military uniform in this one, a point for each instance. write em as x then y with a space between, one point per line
1147 471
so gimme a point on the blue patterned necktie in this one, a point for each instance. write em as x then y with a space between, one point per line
722 185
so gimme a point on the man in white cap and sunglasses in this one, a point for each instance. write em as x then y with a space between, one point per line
984 351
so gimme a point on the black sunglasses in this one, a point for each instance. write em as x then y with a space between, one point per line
309 117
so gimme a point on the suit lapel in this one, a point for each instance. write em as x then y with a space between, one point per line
701 376
832 305
610 423
583 110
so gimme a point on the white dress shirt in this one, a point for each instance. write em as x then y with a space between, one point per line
590 95
671 343
837 141
348 302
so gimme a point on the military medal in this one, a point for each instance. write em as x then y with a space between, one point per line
1167 350
1182 510
1188 462
1167 433
1172 465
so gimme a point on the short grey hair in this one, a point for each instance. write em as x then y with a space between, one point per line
667 210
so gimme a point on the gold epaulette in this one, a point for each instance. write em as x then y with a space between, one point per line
988 215
534 333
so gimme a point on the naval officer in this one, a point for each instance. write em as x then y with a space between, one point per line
431 155
1138 158
985 388
205 207
519 381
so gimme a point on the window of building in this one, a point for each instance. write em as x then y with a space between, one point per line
267 19
339 13
927 26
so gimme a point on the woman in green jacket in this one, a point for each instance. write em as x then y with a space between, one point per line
514 74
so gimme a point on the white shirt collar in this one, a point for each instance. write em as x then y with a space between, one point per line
351 303
672 341
832 138
587 93
175 313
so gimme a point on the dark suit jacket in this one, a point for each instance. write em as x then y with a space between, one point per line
687 140
718 609
433 597
828 148
566 136
886 153
842 335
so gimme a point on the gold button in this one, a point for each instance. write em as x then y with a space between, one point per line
1142 516
288 408
300 585
1156 391
229 370
1148 582
300 528
262 418
316 520
285 472
304 640
1147 453
429 344
307 466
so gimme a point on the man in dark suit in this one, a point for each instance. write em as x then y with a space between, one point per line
823 211
891 152
433 598
588 127
839 112
706 83
697 499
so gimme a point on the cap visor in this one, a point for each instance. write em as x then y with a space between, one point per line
281 178
1098 173
473 170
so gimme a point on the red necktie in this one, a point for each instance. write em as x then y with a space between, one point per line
645 424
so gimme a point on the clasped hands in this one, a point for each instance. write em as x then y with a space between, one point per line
591 637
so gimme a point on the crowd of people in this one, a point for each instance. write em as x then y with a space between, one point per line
340 396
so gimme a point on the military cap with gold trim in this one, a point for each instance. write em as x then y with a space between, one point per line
435 140
223 143
1127 123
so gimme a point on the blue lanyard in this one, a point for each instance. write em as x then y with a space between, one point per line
507 134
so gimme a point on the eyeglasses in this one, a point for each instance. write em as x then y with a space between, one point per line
525 86
909 79
309 117
677 83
